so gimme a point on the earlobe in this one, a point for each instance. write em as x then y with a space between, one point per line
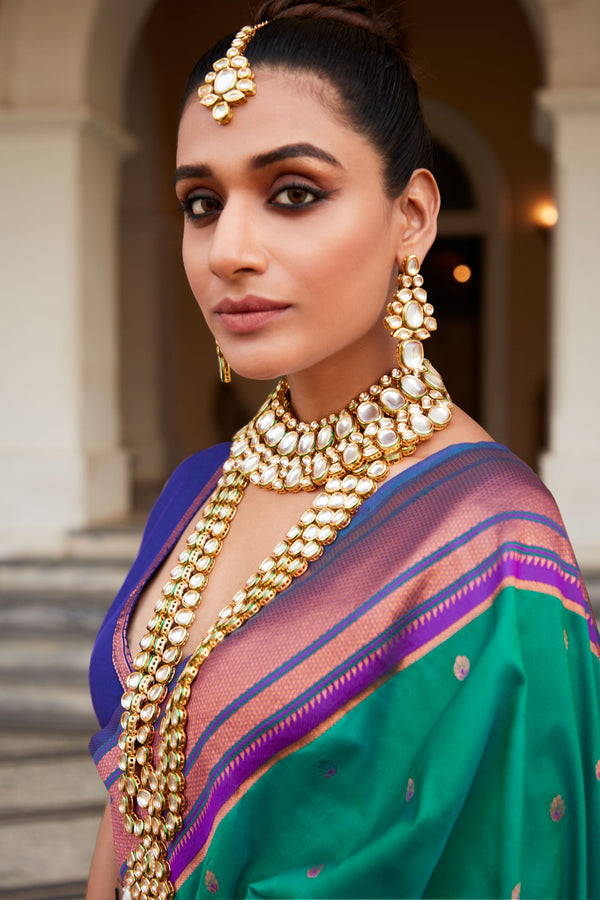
420 204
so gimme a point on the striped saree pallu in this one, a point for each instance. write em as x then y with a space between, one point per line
417 715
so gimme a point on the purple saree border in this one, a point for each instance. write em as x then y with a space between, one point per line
511 566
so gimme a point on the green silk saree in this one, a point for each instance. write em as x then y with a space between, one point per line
416 716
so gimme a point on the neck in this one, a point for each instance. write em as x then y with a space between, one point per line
327 388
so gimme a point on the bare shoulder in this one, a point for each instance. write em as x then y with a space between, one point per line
461 430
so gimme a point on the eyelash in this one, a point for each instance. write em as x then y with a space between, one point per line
186 205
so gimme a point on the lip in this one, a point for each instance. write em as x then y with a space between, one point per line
248 313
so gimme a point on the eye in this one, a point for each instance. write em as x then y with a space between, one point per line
200 206
297 195
204 205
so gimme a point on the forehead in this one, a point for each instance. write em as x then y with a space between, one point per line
289 107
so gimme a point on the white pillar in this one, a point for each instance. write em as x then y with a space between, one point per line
145 236
571 466
61 462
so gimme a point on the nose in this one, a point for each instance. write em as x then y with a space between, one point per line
237 246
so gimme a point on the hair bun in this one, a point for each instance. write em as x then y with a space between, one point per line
353 12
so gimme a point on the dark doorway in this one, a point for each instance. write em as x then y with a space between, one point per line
453 279
452 273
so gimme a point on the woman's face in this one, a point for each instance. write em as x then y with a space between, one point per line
290 241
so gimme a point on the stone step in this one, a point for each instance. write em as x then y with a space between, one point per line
117 543
95 559
50 785
33 658
17 746
53 613
38 855
82 576
72 890
44 657
51 801
48 705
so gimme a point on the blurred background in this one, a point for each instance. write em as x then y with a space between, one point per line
108 376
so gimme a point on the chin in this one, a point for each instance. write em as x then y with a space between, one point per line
258 372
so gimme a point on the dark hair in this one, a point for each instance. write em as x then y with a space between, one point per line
358 51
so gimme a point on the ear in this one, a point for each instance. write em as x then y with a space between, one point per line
419 204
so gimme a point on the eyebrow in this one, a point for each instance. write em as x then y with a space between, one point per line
292 151
182 172
262 160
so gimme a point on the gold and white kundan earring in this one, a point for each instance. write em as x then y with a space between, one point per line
410 320
410 317
224 367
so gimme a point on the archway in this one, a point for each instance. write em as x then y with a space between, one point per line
484 221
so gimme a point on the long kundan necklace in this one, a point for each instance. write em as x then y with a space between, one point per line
346 456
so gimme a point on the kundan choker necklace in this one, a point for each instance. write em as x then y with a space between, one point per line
346 455
384 423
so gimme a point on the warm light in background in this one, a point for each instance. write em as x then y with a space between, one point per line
461 274
545 214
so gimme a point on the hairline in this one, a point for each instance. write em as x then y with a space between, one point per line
326 92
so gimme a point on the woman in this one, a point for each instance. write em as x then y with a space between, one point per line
402 700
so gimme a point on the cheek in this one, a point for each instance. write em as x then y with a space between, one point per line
352 258
195 266
355 241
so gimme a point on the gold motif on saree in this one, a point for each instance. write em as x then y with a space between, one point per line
211 882
316 870
462 667
557 809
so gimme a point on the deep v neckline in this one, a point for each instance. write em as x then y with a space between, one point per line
192 510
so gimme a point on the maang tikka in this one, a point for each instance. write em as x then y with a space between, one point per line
410 317
231 81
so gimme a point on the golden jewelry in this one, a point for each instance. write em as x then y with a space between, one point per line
231 81
410 316
348 455
386 422
224 367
